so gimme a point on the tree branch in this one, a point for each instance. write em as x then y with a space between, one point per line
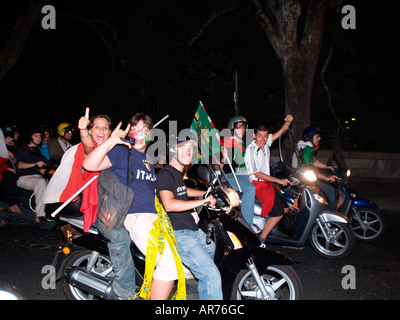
17 39
214 16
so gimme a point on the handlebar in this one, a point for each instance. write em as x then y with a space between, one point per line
206 204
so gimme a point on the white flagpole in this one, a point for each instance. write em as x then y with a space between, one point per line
161 121
233 171
74 196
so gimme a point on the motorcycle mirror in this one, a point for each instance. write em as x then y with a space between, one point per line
205 174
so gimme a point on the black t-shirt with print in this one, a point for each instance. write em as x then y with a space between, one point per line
171 179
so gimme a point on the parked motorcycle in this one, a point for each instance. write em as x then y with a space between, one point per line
248 270
367 223
309 216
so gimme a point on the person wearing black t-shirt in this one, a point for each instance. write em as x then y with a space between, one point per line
29 176
193 250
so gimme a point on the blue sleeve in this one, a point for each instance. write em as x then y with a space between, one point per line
116 154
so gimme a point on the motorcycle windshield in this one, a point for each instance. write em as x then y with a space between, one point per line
219 175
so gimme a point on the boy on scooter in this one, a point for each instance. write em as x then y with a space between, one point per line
257 160
308 146
193 250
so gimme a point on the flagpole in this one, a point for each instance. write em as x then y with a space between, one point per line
161 121
230 166
74 196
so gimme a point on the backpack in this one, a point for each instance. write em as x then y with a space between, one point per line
115 198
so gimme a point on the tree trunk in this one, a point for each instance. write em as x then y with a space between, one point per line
297 51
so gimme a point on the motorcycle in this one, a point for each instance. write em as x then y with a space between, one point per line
309 218
367 223
248 270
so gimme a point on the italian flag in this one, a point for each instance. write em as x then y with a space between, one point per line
68 179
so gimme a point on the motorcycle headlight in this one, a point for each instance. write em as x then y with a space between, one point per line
348 173
310 175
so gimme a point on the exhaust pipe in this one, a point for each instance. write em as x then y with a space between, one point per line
91 283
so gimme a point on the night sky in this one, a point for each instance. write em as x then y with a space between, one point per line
122 57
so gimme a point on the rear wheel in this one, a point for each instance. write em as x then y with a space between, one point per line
102 266
367 224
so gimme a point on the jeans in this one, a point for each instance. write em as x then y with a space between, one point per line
199 258
248 197
330 193
120 253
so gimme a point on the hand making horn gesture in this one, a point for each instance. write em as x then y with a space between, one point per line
118 134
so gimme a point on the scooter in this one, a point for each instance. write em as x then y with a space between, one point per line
248 270
367 223
309 218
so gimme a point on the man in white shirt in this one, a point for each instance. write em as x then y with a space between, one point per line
257 159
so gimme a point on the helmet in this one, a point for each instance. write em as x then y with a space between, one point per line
63 128
309 133
236 119
9 130
34 130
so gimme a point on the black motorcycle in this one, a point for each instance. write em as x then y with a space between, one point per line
248 270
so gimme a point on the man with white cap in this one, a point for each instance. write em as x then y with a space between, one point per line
193 250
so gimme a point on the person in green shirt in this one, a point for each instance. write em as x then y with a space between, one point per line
308 145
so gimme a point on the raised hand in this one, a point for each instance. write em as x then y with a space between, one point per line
118 133
84 121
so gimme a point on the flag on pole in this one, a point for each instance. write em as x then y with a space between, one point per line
3 154
207 134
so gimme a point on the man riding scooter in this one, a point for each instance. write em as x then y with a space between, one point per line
308 146
257 162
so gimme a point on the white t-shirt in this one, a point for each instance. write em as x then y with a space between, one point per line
257 160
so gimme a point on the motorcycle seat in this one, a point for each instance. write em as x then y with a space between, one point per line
72 210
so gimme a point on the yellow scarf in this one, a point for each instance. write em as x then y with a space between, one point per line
161 232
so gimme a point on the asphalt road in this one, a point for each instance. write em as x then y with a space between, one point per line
25 250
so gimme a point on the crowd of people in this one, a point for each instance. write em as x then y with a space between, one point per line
104 148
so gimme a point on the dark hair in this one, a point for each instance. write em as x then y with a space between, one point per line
144 117
260 127
100 116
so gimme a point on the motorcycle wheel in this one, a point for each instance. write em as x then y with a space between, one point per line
281 283
369 225
339 244
81 258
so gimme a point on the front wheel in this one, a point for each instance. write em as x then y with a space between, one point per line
280 282
333 240
367 224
